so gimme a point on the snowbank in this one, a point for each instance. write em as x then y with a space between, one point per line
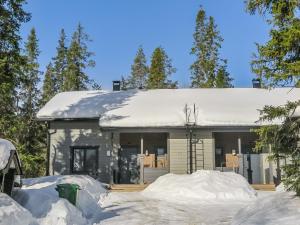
5 148
201 185
12 213
39 196
278 208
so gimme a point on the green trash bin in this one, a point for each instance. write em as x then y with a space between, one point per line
68 191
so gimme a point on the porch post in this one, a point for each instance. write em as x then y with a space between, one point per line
142 161
270 166
241 157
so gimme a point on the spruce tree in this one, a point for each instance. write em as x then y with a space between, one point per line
278 63
278 60
223 79
207 43
78 59
160 70
139 71
12 16
49 85
30 134
60 62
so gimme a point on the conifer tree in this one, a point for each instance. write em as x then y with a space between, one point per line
30 134
49 85
278 60
12 16
223 79
78 59
139 71
278 63
160 70
60 62
207 43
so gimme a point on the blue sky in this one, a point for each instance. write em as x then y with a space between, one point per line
118 27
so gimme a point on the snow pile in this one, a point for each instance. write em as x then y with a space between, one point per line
278 208
5 148
201 185
39 196
12 213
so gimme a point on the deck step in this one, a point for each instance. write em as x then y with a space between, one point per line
127 187
264 187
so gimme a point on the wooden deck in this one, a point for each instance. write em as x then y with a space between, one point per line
141 187
264 187
127 187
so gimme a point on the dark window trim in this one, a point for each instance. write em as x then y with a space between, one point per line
85 147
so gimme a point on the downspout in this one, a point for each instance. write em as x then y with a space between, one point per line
48 148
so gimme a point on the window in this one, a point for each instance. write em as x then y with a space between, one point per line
84 159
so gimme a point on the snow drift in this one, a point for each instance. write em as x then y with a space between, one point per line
201 185
279 208
5 148
39 196
12 213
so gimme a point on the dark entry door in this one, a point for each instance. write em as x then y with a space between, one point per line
128 166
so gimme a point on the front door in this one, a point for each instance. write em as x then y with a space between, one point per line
128 166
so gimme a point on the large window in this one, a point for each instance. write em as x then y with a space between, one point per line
84 159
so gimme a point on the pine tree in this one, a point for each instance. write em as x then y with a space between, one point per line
60 62
49 85
160 69
278 60
30 134
12 16
78 59
207 43
139 71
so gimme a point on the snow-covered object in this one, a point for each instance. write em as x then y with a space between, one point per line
278 208
5 148
12 213
39 196
201 185
166 107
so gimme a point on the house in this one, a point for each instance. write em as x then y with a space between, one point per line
137 135
10 167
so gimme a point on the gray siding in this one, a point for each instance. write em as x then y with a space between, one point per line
65 134
179 150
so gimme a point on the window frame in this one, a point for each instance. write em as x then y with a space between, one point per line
84 148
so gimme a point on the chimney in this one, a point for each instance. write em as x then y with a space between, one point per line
116 85
256 83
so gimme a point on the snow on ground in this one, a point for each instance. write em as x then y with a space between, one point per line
136 209
201 185
279 207
204 197
12 213
5 148
39 196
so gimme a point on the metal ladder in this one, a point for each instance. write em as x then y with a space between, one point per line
197 155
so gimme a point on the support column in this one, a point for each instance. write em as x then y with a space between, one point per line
241 157
142 160
270 166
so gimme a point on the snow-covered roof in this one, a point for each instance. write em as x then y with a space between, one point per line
5 149
166 107
296 113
